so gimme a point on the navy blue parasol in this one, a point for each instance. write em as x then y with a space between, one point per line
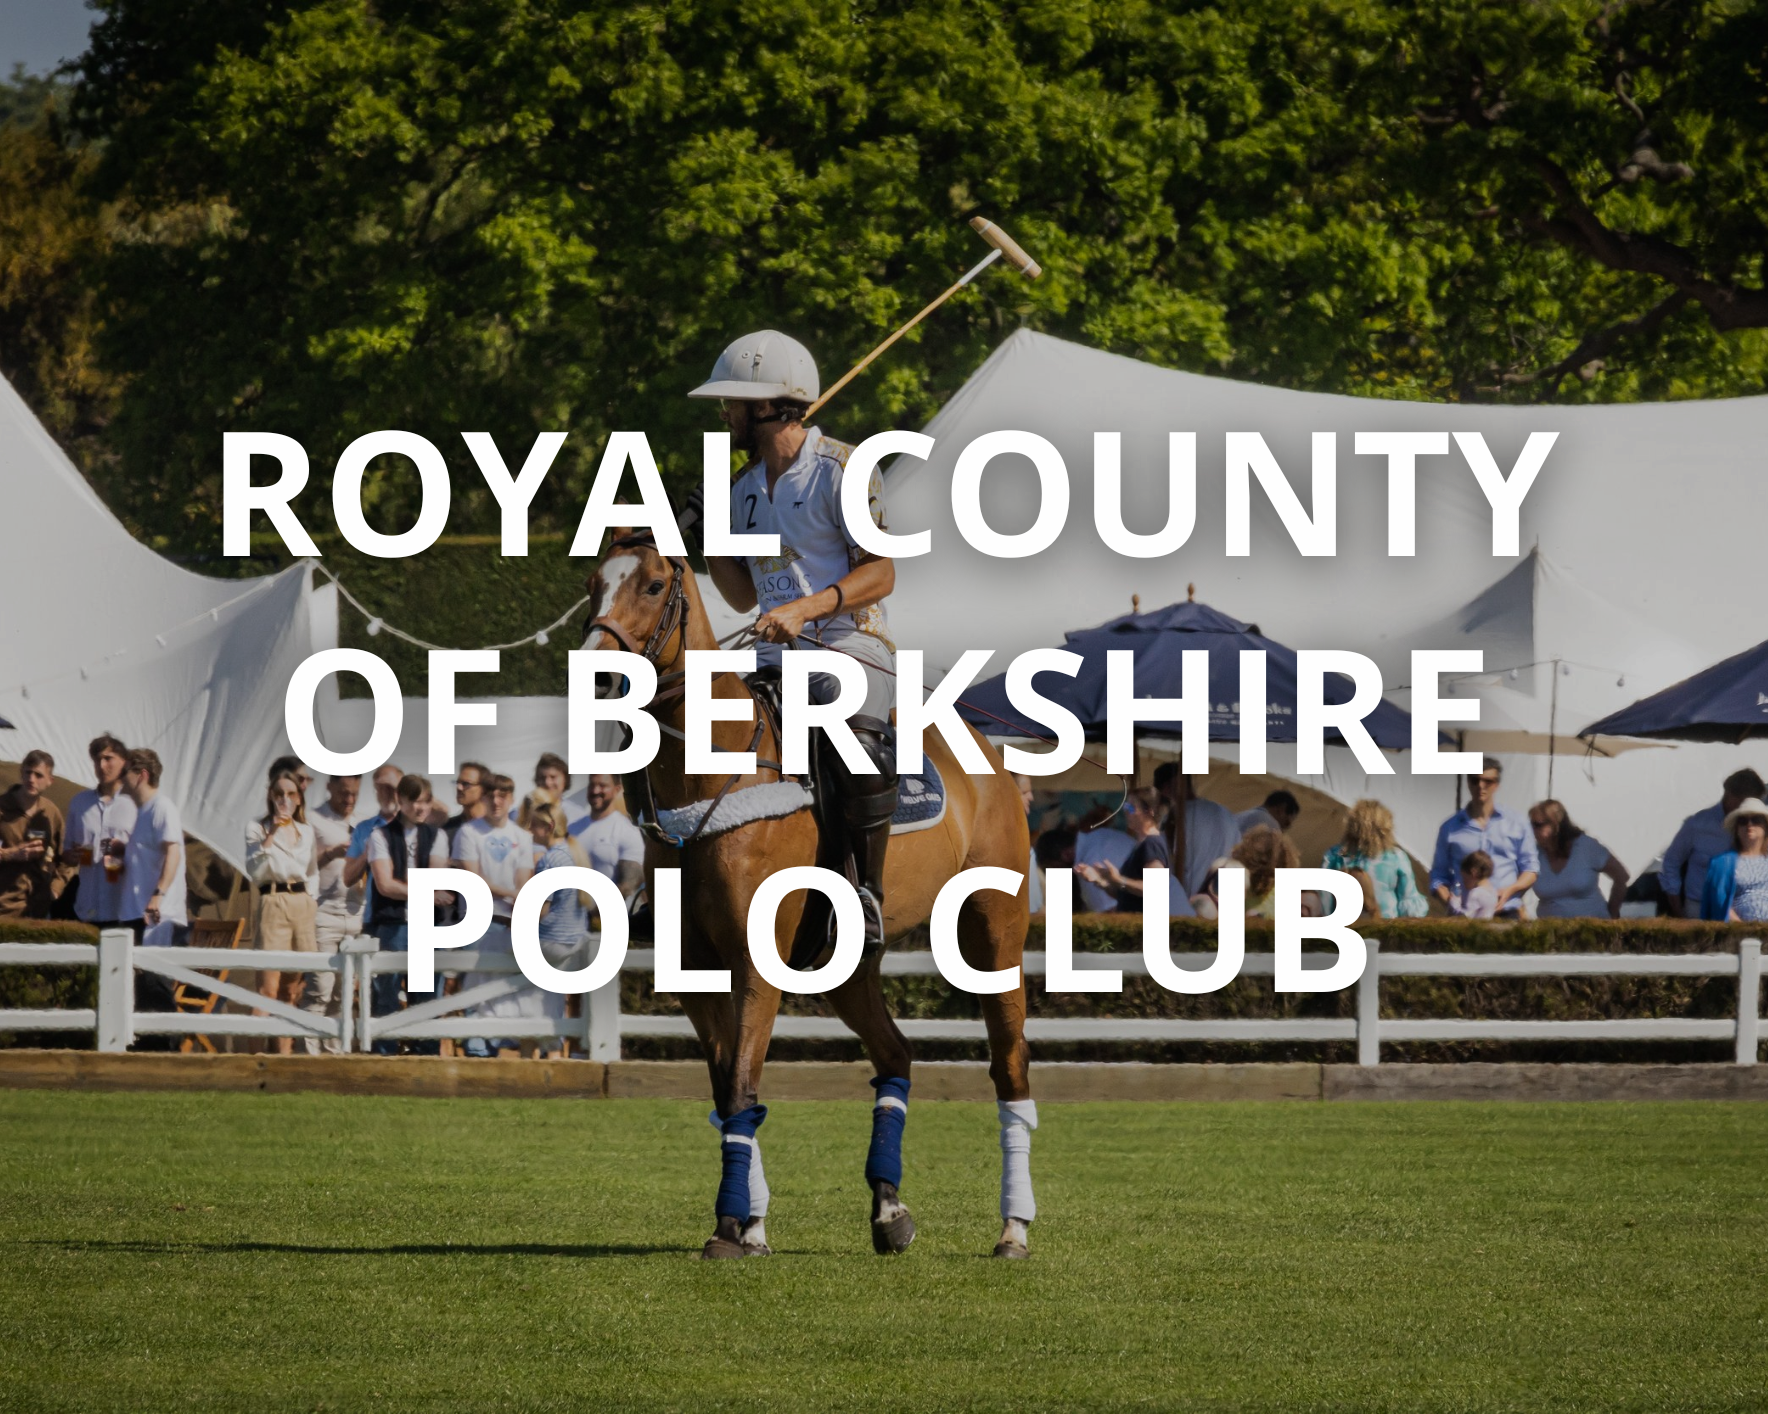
1726 702
1157 639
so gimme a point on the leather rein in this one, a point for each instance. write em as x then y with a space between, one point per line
671 621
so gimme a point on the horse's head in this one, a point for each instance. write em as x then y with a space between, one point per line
637 598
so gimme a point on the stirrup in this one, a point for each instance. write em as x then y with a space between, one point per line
873 911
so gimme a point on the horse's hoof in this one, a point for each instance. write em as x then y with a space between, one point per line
891 1235
757 1249
1012 1251
720 1248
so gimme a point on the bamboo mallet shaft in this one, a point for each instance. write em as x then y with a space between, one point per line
1005 247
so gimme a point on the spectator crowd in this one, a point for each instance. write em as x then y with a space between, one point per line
321 877
1490 861
334 875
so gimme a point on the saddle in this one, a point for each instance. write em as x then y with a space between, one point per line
815 938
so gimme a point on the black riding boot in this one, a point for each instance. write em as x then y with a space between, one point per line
867 803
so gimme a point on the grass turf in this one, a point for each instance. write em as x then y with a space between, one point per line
307 1252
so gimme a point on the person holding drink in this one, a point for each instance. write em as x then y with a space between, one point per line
98 825
281 854
152 885
31 872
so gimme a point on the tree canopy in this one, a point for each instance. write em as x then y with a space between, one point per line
528 215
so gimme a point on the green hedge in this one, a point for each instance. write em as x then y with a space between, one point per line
1499 998
58 988
1107 932
35 930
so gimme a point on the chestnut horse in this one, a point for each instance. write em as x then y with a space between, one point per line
644 602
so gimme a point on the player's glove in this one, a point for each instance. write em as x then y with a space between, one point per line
692 513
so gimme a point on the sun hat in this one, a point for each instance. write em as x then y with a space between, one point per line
1753 806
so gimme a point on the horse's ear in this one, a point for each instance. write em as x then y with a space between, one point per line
619 532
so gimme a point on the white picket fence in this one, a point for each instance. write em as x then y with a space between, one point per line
602 1026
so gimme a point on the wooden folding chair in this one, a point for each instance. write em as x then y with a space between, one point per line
206 933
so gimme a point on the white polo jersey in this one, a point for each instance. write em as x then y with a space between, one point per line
815 548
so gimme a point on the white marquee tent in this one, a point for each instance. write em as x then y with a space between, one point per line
1632 516
102 634
105 635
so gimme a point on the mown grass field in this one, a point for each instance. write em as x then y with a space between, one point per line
234 1252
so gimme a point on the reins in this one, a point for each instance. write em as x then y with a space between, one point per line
671 621
672 685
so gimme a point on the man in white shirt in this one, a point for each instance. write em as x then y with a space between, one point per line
821 591
501 853
153 880
153 862
339 915
1202 831
614 845
99 821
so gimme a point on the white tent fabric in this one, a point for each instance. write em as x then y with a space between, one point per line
1557 656
104 635
121 640
1633 514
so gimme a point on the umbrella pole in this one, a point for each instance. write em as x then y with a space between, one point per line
1552 728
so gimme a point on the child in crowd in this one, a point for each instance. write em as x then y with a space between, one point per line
1478 899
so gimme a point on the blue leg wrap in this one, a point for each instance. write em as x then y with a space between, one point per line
889 1114
737 1151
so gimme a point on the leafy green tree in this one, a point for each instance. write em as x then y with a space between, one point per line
51 235
1631 137
520 215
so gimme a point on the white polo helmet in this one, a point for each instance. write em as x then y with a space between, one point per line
763 365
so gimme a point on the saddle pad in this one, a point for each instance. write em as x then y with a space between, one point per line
920 800
920 805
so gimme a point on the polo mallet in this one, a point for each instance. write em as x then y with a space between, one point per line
1004 245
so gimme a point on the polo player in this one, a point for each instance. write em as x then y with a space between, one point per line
821 590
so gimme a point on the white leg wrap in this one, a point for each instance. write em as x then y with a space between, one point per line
1018 1119
757 1177
757 1185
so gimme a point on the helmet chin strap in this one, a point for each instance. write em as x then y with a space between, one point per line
787 414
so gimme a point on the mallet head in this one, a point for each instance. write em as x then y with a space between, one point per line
1010 249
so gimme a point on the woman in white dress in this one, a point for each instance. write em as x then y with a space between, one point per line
1572 866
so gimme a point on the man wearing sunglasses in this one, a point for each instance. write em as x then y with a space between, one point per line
822 590
1486 825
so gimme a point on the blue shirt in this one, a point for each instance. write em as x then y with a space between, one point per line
359 838
1702 839
1506 837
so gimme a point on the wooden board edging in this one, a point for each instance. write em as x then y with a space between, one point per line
1052 1082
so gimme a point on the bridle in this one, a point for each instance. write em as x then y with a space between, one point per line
672 620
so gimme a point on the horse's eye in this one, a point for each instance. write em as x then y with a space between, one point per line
656 587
